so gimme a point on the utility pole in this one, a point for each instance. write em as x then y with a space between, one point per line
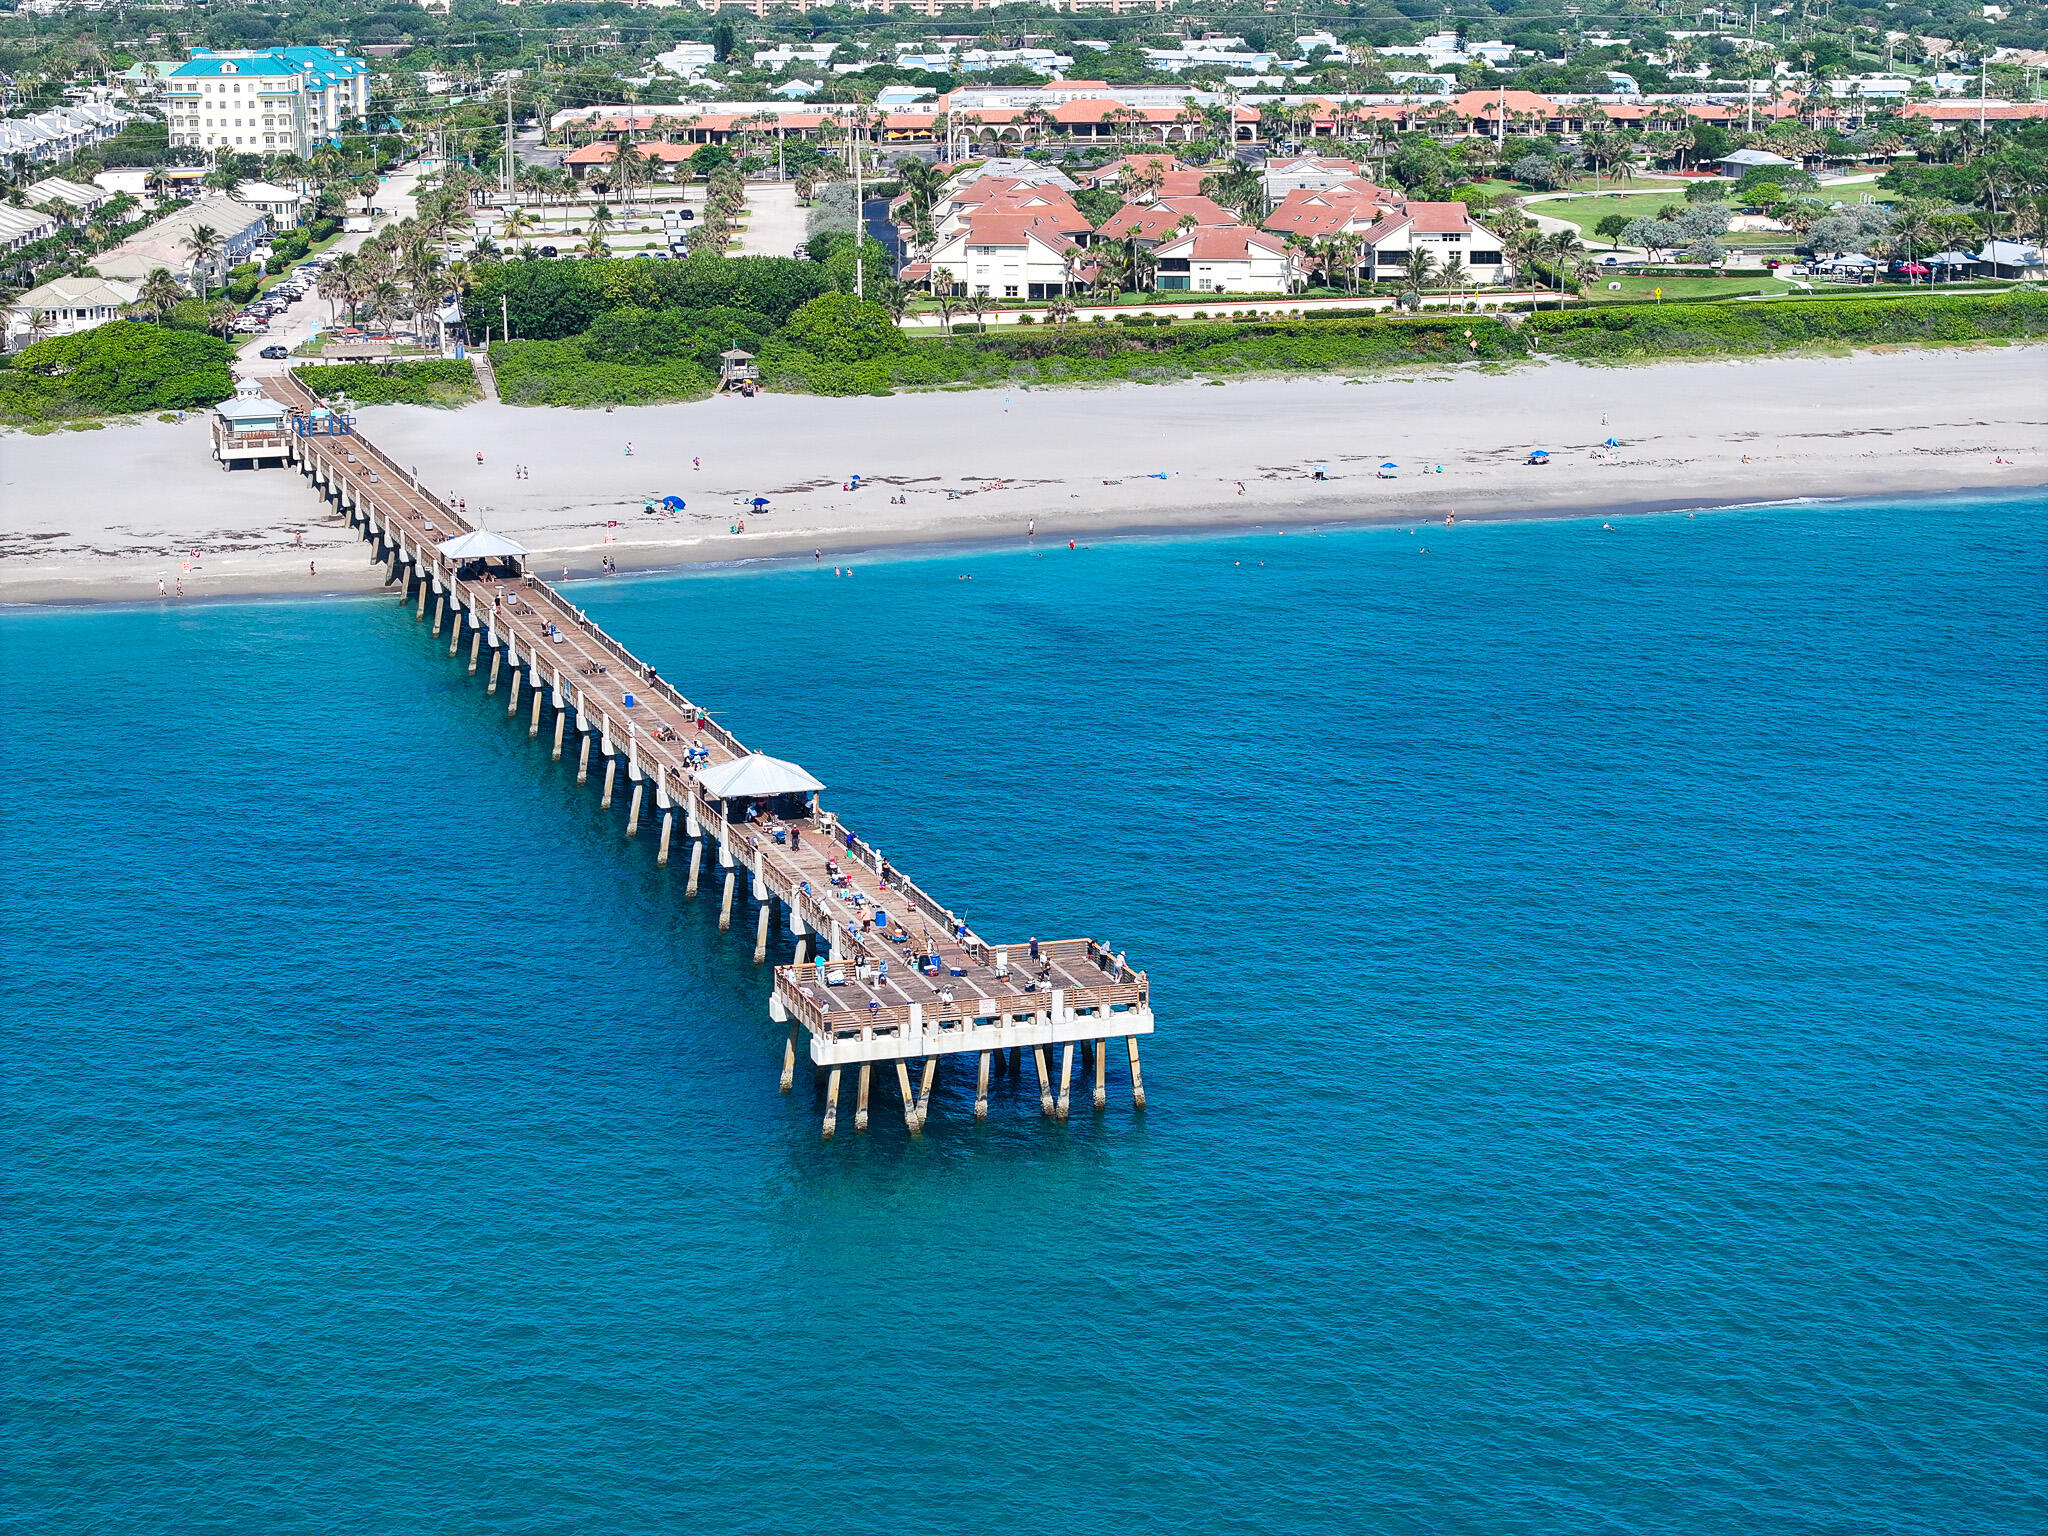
860 265
505 314
509 178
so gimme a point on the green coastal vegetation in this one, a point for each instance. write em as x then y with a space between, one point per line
1647 331
403 381
113 370
626 332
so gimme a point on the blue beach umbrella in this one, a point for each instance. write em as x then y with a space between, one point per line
1390 464
672 503
758 502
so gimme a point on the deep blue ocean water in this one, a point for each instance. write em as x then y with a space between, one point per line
1601 980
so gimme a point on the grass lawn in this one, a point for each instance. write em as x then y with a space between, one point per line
1637 290
1587 212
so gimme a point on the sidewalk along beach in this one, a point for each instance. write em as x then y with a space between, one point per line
106 515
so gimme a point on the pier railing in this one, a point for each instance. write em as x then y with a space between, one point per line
1073 987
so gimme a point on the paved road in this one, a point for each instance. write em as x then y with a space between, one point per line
298 323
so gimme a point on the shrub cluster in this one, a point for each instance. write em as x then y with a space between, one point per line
123 366
400 381
552 300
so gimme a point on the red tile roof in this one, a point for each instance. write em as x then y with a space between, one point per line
653 149
1235 244
1152 221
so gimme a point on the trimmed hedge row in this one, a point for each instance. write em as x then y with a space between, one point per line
1676 330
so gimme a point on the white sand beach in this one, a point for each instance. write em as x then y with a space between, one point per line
98 516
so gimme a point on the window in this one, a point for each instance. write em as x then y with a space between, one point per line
1484 259
1010 292
1174 284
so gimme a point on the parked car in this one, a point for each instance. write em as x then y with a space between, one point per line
274 350
687 214
549 251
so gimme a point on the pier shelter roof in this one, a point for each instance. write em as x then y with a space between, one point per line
756 774
482 545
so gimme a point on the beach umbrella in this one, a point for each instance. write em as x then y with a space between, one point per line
758 502
1390 464
1611 443
672 503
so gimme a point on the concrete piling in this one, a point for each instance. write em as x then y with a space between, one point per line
725 909
831 1101
909 1098
1101 1073
1137 1077
533 726
583 760
789 1059
512 692
1044 1080
1066 1076
476 644
561 719
981 1089
696 864
611 770
633 810
496 657
761 932
668 825
860 1110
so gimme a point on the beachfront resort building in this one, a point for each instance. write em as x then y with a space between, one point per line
1237 259
64 306
1006 256
54 136
273 101
83 198
239 228
24 226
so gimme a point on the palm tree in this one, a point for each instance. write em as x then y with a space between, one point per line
204 243
630 165
516 226
600 221
40 324
593 244
1239 187
159 294
1421 265
221 316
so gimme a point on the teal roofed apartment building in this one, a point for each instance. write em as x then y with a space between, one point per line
272 101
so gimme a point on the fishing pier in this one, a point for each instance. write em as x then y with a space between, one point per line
880 973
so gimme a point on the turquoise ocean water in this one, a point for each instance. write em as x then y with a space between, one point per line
1601 980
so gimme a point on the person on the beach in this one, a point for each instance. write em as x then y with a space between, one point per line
312 569
479 458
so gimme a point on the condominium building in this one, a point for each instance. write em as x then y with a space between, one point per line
277 101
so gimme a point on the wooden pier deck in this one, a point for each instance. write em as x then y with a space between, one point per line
884 973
